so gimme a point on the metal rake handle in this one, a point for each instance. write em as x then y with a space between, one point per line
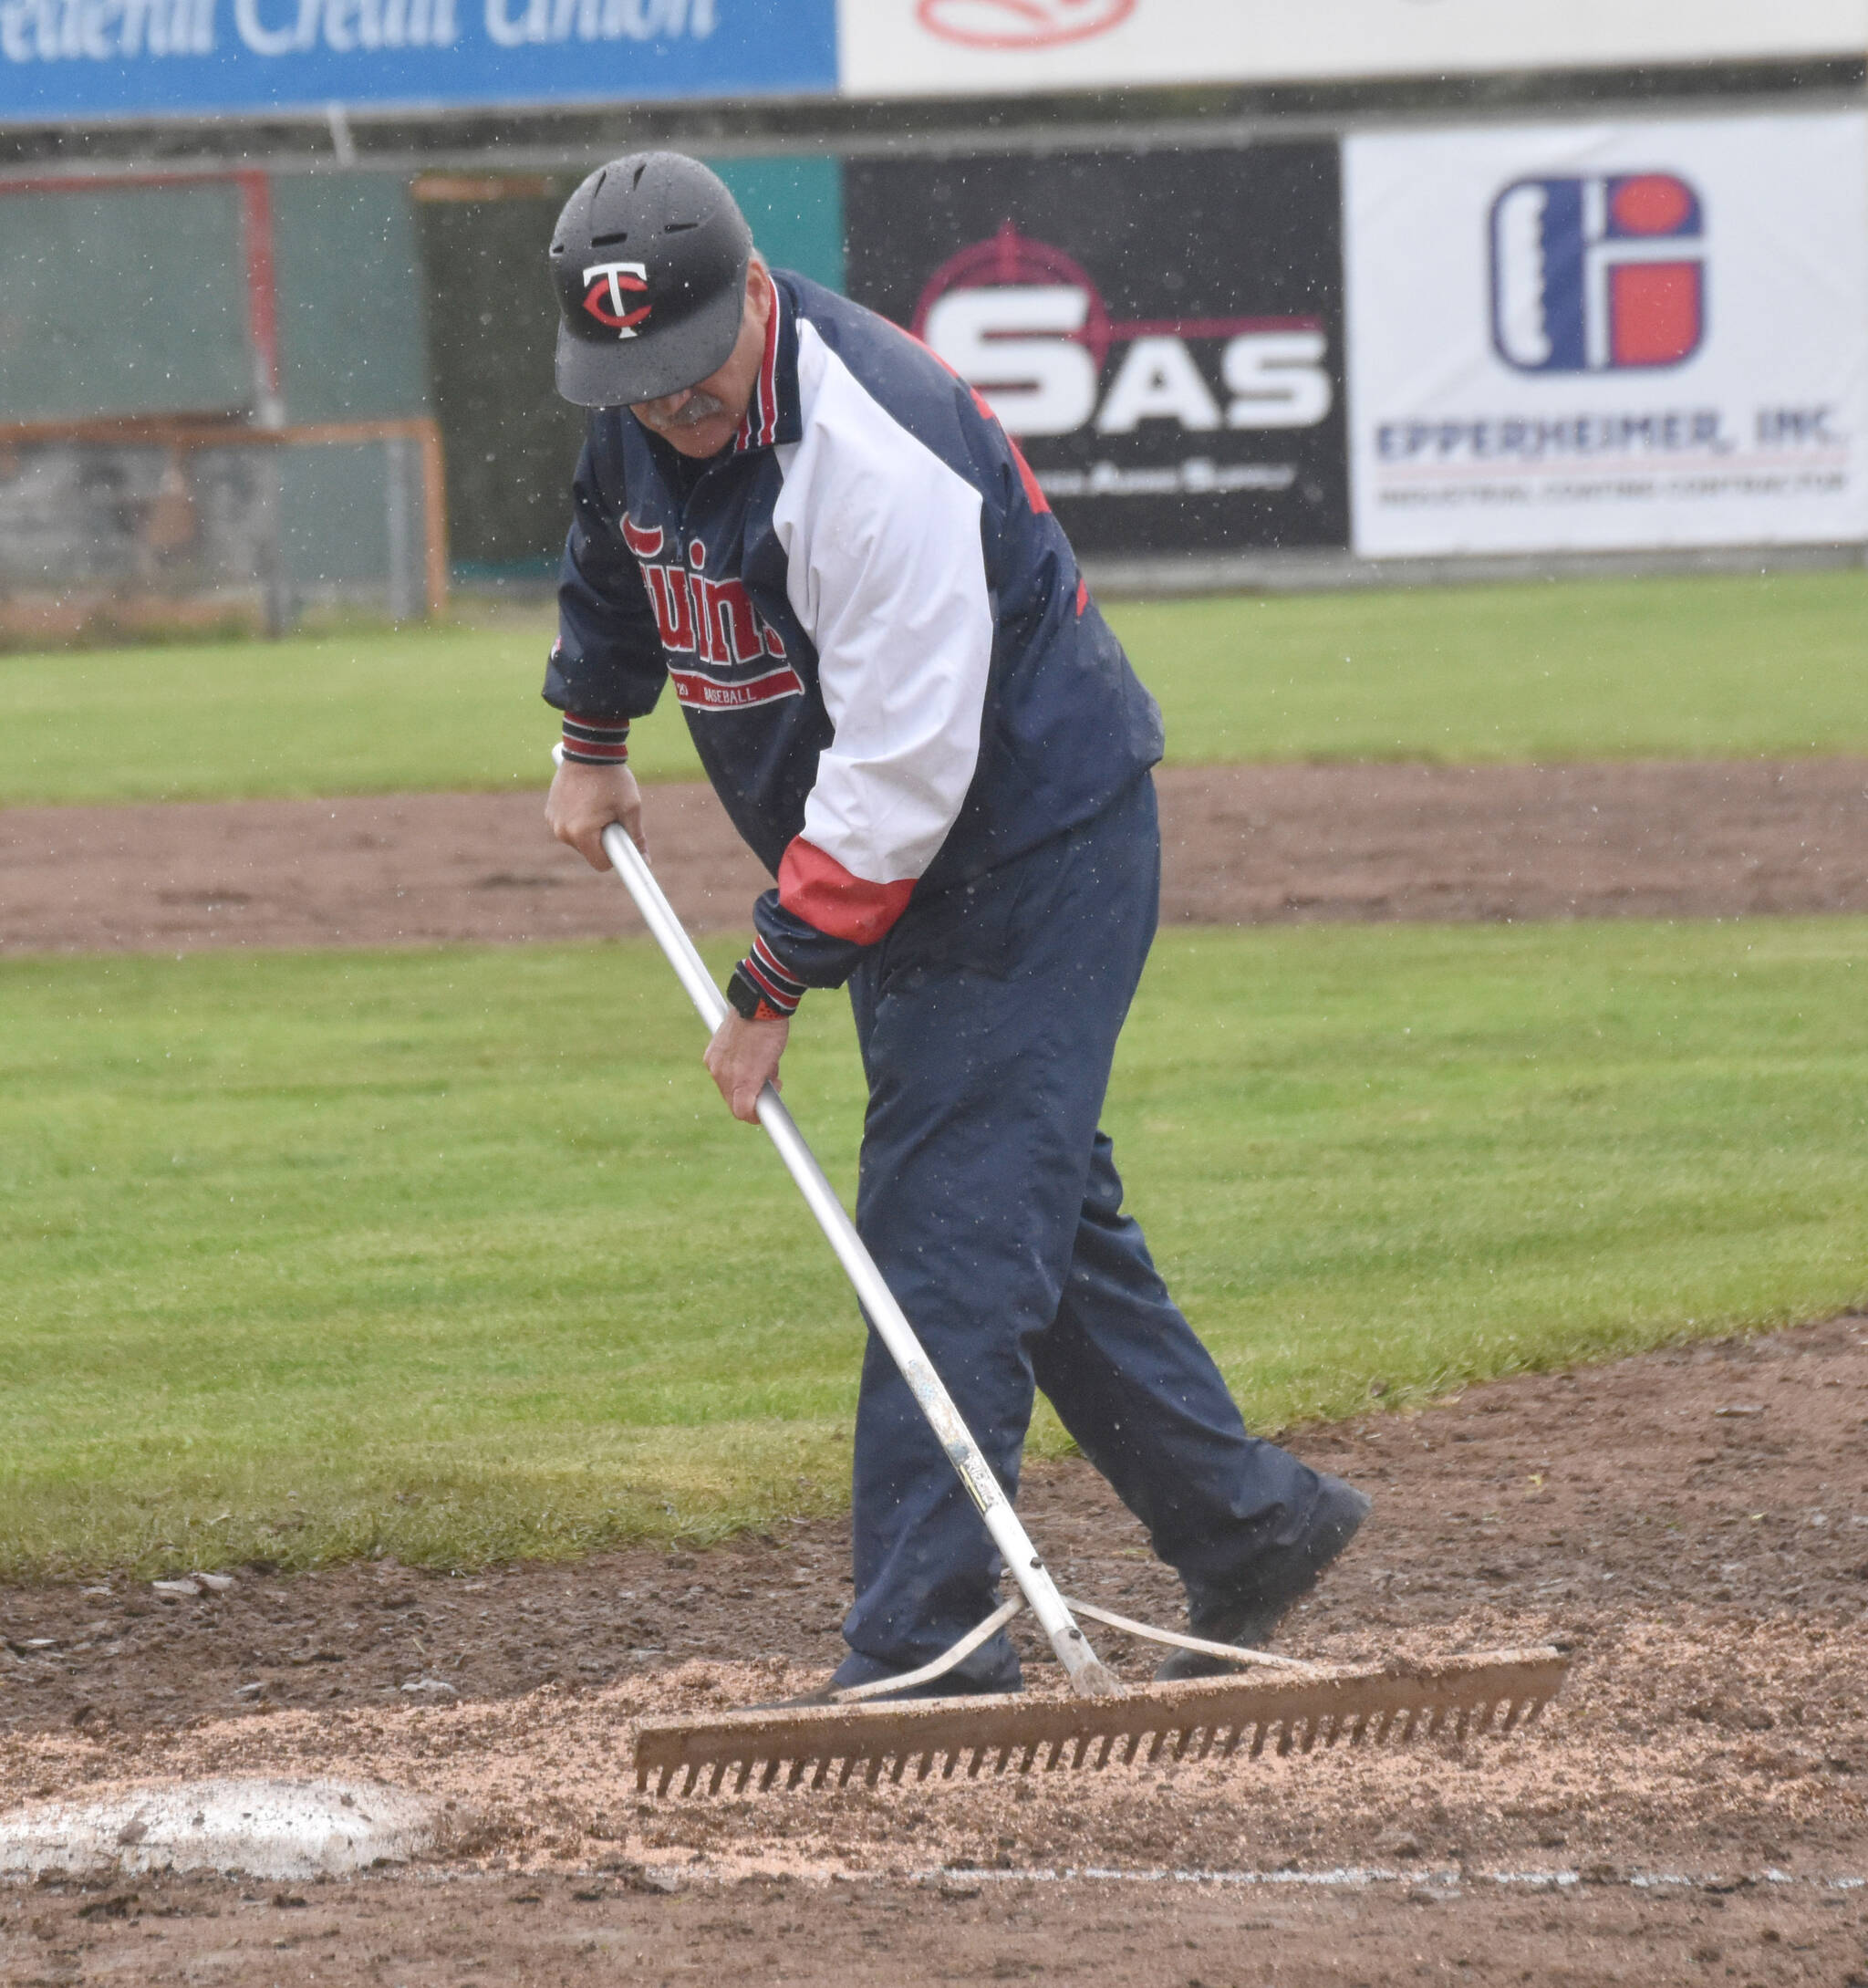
1088 1676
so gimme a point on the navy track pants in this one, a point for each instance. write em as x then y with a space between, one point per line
989 1199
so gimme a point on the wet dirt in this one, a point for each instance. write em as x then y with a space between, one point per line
1242 845
1693 1525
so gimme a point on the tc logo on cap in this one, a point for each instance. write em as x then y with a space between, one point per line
1594 274
604 299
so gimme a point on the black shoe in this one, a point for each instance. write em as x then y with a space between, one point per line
1272 1584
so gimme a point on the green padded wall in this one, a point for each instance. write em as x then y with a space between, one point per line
352 344
123 300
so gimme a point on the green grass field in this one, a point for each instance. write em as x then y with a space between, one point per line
455 1254
1665 668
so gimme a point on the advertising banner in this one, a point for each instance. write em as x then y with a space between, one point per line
1160 330
109 59
958 48
1588 337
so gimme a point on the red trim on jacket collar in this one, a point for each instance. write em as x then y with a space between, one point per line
815 887
759 430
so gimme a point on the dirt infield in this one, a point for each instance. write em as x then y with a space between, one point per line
1244 845
1694 1524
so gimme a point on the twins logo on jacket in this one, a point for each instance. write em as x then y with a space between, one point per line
731 645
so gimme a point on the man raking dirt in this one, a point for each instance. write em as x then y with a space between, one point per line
914 713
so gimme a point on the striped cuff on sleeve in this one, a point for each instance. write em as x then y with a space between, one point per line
595 742
777 989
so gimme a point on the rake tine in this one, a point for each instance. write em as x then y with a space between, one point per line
1208 1720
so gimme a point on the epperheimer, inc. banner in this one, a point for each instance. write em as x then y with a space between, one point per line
1610 336
1161 330
112 59
966 47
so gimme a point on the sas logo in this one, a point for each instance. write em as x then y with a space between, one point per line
604 298
1603 273
1020 23
1024 325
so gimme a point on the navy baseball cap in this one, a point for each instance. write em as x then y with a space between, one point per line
649 260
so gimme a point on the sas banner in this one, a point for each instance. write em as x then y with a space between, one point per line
1591 338
965 47
1161 330
119 59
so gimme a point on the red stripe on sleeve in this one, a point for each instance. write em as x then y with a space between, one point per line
819 889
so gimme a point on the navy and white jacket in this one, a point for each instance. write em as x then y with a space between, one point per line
892 671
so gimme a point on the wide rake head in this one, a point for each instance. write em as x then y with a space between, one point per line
1215 1718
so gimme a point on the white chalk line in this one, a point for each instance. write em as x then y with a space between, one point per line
1352 1877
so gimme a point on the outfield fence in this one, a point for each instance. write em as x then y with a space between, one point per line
138 523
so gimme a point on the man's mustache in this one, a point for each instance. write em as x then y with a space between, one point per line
700 407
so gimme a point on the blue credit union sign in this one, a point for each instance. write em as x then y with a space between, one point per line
112 59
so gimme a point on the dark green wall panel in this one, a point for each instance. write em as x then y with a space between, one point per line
125 300
352 345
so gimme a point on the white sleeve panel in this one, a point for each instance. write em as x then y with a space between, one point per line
887 574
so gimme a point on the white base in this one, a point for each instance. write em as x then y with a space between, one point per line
285 1830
